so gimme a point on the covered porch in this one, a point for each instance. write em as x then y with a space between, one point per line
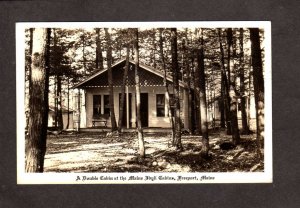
154 112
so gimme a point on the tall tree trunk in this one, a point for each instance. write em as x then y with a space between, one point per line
59 107
167 93
38 102
110 82
245 127
196 99
68 104
250 89
99 56
202 96
83 53
177 142
197 90
232 94
58 98
208 99
258 82
29 72
138 96
55 102
121 111
213 97
30 52
221 103
154 49
225 84
188 71
214 107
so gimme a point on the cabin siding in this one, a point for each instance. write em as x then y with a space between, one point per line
152 82
153 120
51 119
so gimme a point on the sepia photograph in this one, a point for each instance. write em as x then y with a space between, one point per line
144 102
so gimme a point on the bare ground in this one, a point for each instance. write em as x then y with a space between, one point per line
96 152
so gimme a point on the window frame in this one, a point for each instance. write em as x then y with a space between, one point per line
160 107
98 105
106 108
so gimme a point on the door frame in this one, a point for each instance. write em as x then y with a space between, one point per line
145 108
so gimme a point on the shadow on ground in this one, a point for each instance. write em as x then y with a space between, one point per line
88 152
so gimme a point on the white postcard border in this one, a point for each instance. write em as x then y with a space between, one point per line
115 178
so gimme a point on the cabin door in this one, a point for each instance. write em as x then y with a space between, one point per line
144 109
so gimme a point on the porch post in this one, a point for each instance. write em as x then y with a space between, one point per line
127 107
133 107
79 110
102 104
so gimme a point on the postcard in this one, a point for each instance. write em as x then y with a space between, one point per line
144 102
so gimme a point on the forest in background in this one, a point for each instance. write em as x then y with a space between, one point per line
223 65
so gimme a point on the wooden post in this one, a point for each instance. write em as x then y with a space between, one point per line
79 110
102 104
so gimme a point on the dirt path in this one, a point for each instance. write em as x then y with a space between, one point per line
89 152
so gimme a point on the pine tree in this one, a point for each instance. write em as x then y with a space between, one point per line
202 99
166 85
99 56
224 83
258 80
232 90
177 141
110 82
141 150
188 78
122 100
245 127
38 102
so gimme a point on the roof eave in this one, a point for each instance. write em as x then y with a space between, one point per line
150 69
95 75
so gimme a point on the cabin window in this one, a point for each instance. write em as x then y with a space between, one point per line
96 105
106 105
160 105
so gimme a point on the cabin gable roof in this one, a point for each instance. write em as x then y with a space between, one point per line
149 76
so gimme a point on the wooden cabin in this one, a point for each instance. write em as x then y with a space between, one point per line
153 105
65 112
